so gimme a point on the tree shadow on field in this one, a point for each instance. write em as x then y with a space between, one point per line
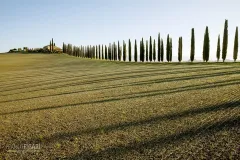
72 84
119 150
35 75
155 119
132 96
128 85
73 77
158 142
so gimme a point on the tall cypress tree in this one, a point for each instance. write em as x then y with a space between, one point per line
180 49
146 51
143 51
129 51
235 52
99 51
168 48
109 51
192 46
52 46
154 50
225 41
140 49
124 51
112 51
119 53
115 52
106 52
102 52
162 50
218 49
113 48
150 50
96 52
135 51
159 48
206 46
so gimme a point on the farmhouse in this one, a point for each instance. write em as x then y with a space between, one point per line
55 48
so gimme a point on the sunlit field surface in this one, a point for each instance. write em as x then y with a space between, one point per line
62 107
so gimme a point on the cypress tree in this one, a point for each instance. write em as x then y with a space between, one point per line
168 49
115 51
150 50
96 52
129 51
135 51
124 51
162 50
146 51
180 49
154 50
106 52
140 49
192 46
119 52
109 51
102 52
52 46
225 41
218 49
206 46
235 52
143 50
159 48
99 51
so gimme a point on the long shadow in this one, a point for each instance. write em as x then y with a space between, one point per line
55 68
70 64
156 119
73 75
44 73
119 86
38 73
127 77
35 74
120 150
90 76
69 76
145 94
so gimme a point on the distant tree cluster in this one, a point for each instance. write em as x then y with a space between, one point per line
151 50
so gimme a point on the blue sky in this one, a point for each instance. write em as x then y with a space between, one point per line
33 23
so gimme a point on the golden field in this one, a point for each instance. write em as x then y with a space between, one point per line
76 108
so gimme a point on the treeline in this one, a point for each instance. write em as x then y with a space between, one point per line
152 51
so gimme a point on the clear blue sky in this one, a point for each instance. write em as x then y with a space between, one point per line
33 23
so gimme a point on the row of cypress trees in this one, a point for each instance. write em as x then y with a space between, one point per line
148 51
